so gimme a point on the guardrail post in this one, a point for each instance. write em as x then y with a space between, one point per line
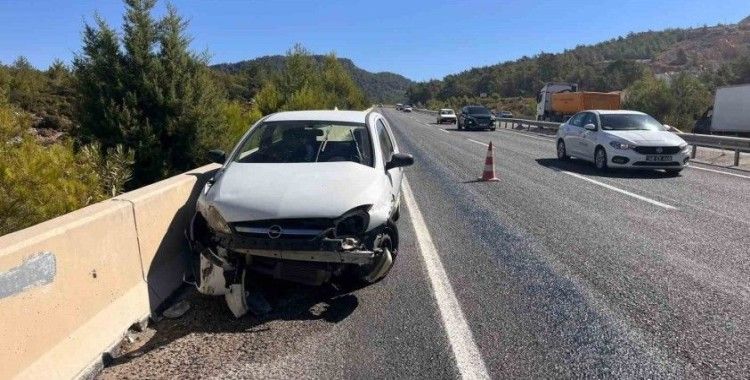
736 157
692 153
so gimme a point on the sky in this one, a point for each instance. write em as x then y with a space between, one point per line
418 39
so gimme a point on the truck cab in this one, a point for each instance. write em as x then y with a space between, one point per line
544 98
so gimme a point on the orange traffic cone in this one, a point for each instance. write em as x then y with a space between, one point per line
489 166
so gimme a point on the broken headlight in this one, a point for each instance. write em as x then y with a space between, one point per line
352 223
216 222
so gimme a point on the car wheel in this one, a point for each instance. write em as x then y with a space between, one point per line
600 159
383 261
673 172
493 129
562 153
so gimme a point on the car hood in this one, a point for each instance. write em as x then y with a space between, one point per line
250 191
648 138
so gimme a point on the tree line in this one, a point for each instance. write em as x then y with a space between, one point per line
133 108
622 64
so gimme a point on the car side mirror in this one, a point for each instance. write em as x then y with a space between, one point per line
399 160
217 155
589 127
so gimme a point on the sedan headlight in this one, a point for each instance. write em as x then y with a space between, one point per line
621 145
352 223
216 222
683 146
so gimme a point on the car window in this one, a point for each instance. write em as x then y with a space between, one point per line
577 119
386 146
306 141
628 121
478 110
590 118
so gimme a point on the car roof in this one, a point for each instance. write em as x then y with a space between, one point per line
321 115
616 112
446 109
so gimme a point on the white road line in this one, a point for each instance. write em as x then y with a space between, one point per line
478 142
445 130
468 358
719 171
617 189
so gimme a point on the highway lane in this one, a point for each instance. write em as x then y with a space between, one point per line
645 288
552 275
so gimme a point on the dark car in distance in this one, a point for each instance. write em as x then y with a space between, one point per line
476 117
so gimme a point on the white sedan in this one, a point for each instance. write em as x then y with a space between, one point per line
304 196
622 139
446 115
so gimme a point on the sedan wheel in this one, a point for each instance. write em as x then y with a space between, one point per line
600 159
383 261
562 154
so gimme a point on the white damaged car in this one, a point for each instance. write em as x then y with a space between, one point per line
305 196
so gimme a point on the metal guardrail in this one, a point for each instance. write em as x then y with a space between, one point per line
735 144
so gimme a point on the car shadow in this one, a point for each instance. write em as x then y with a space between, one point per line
588 169
210 315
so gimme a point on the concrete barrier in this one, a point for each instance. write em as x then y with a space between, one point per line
71 287
162 211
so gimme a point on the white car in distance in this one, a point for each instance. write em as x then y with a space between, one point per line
622 139
446 115
305 196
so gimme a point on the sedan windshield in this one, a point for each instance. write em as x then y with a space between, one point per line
446 112
478 110
630 122
306 141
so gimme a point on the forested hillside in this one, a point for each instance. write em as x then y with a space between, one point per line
381 87
693 61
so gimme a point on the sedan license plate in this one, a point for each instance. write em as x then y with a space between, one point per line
658 158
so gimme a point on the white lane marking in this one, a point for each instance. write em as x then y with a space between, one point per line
478 142
719 171
445 130
551 139
468 358
619 190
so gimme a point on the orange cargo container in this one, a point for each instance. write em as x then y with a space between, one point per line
568 103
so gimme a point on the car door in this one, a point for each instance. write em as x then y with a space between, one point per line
588 138
572 135
388 147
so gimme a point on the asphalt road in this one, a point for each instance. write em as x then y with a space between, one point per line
555 271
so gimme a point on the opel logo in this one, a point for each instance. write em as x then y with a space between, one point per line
659 150
274 232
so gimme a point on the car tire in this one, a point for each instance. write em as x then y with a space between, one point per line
370 274
600 159
562 152
673 172
493 129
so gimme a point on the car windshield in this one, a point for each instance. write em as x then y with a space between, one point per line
630 122
478 110
306 141
446 112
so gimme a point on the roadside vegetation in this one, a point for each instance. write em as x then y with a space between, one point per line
670 74
135 106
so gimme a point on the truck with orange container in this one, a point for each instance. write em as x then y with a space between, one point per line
560 101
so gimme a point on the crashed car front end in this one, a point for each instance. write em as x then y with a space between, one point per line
305 250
